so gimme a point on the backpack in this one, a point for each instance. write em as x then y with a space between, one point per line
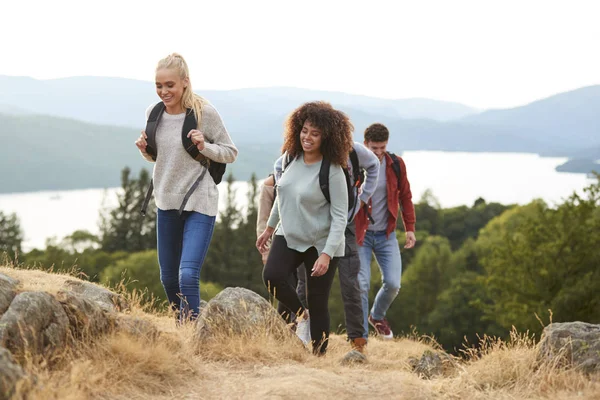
215 169
351 182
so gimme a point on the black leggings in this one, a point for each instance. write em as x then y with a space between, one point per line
283 262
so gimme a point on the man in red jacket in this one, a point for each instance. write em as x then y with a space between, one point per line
376 230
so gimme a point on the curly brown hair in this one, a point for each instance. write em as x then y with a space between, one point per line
336 126
377 133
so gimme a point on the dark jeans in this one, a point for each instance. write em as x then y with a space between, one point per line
182 245
348 268
283 262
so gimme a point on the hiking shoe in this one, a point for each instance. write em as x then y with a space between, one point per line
359 344
303 328
382 327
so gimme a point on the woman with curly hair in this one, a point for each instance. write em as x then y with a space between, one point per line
308 228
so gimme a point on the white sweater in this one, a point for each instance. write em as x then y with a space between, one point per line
175 170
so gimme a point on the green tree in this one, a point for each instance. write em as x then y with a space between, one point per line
11 235
232 258
124 227
538 258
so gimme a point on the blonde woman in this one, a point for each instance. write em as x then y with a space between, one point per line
185 191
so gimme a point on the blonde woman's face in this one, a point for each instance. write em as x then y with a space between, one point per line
170 87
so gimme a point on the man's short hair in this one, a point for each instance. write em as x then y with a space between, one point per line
377 133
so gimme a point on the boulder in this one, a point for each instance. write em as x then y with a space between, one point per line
8 291
106 299
571 343
86 318
239 311
11 374
35 323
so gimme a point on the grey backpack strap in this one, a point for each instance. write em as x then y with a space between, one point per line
194 186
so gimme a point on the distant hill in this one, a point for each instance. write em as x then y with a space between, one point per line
560 125
119 101
566 121
47 153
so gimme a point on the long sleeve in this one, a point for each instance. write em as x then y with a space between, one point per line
369 161
405 200
278 168
338 209
222 148
265 204
274 217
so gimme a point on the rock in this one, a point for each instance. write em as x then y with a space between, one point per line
34 323
239 311
86 318
106 299
354 357
571 343
11 374
8 291
135 326
431 364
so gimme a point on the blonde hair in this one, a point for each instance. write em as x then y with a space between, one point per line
189 100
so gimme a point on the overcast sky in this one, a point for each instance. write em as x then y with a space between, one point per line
483 53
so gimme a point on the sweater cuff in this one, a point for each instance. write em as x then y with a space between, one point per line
410 227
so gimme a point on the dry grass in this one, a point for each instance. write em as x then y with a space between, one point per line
174 366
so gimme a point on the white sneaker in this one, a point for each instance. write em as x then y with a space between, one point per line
303 329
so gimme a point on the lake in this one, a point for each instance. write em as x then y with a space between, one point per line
454 178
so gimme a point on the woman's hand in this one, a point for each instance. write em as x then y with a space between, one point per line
263 239
197 138
321 265
141 142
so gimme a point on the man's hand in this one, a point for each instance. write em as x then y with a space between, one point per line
411 240
263 239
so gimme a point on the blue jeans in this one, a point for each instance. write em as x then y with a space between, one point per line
387 255
182 245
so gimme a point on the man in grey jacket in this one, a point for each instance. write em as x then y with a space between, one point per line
349 265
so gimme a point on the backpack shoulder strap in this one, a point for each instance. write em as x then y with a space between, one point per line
324 178
396 166
190 122
355 166
151 126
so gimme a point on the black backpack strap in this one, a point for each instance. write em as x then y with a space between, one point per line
147 198
324 178
396 167
189 123
151 127
355 168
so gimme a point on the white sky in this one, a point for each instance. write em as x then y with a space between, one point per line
483 53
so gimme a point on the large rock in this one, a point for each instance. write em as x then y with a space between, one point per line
35 323
8 291
572 343
106 299
239 311
11 374
86 318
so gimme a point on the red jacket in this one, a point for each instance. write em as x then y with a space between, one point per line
396 197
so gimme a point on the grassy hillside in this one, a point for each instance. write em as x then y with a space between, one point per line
120 366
